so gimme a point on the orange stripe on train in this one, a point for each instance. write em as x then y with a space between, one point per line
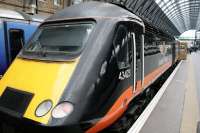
121 104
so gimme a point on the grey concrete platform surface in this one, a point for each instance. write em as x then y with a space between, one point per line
178 109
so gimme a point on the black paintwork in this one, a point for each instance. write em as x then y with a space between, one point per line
84 84
15 102
10 124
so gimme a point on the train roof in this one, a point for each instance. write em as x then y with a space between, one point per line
39 18
6 13
19 15
91 10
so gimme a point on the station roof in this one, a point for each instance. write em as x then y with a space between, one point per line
151 13
185 14
172 16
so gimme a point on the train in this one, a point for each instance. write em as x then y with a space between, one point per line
183 50
82 70
16 28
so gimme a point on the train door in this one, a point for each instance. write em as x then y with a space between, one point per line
130 55
16 39
3 60
138 38
124 53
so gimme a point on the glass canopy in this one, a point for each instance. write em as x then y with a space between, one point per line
172 16
151 12
184 14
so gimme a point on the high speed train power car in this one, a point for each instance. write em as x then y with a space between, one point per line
81 70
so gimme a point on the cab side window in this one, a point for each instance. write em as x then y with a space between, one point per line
122 47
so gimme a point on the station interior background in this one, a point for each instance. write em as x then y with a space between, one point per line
180 17
184 14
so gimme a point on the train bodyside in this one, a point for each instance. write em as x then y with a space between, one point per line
82 70
159 55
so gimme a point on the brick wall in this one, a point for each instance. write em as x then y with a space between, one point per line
29 6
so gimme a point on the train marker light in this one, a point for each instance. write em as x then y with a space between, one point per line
43 108
62 110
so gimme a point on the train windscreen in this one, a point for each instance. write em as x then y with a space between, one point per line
65 39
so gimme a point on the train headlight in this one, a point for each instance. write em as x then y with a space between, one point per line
43 108
62 110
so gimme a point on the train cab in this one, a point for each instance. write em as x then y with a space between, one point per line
81 71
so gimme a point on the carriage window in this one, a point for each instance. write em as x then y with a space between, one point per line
122 47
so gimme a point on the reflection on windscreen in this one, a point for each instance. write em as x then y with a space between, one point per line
69 38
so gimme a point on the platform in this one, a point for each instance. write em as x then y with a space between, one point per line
175 108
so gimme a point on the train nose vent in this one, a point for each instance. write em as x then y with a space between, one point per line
15 102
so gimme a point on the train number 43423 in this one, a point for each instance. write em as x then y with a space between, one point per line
125 74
